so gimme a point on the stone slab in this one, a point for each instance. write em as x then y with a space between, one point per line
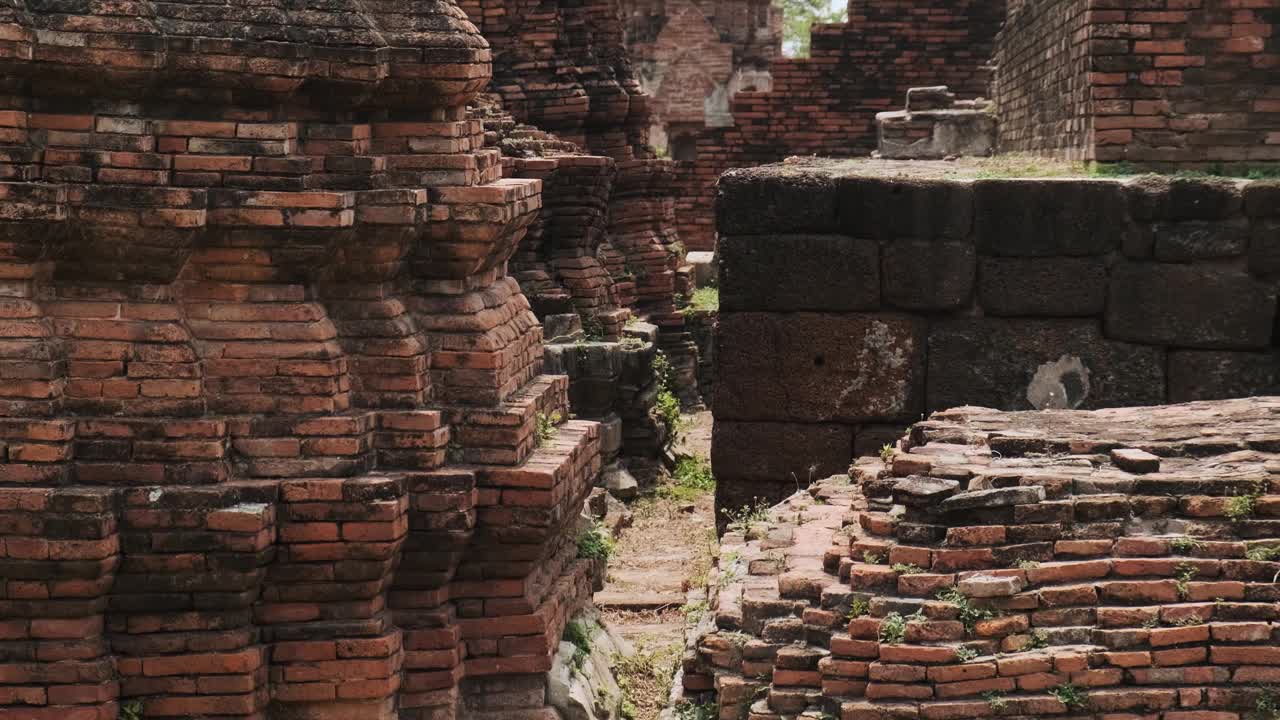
1196 306
1052 287
798 272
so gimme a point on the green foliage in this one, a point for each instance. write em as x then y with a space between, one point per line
131 710
1039 640
1267 705
1183 574
595 543
667 409
591 327
1027 564
798 16
965 654
747 517
578 633
704 299
1241 506
906 569
886 452
1070 695
871 558
694 610
858 607
1188 621
1263 553
692 479
996 701
1184 545
689 711
893 628
546 427
970 614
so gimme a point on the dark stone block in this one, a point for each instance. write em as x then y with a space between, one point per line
1190 306
798 272
994 363
775 199
1199 240
1264 247
1156 197
1262 199
1216 375
902 207
1060 287
1046 218
817 367
771 460
924 275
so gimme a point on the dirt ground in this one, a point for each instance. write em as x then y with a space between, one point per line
668 549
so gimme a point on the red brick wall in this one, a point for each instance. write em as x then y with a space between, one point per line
1042 82
1165 82
826 104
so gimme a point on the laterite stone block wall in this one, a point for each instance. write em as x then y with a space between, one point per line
1164 83
1061 563
268 396
851 304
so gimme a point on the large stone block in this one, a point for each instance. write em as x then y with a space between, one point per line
1262 199
775 199
1046 218
1201 239
1190 306
1055 287
1264 247
818 367
1157 197
1004 363
771 460
903 207
798 272
928 275
1216 375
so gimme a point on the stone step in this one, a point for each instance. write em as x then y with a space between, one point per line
638 600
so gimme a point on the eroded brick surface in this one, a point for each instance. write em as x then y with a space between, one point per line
1051 563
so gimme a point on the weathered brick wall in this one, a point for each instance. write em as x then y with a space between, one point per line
826 104
1080 564
267 395
1169 82
850 305
1042 81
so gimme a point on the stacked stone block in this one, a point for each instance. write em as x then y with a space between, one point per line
851 303
1053 563
268 396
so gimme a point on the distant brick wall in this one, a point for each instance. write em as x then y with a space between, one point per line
850 306
826 104
1187 82
1043 78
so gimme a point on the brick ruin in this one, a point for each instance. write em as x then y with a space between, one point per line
1076 564
694 56
1166 84
269 397
855 301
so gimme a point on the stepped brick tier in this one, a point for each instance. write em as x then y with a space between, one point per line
857 295
826 104
1059 563
694 56
268 398
1186 84
561 67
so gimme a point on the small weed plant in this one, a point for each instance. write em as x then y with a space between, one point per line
872 558
578 633
907 569
546 427
893 629
1038 640
1183 574
1027 564
970 614
595 543
1241 507
692 479
1263 553
745 518
690 711
1185 545
996 701
886 452
966 654
858 607
1070 695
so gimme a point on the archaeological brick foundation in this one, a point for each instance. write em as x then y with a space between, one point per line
1102 564
855 301
268 396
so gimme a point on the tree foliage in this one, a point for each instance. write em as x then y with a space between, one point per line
800 15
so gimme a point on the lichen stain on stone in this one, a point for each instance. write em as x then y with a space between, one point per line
882 350
1059 385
